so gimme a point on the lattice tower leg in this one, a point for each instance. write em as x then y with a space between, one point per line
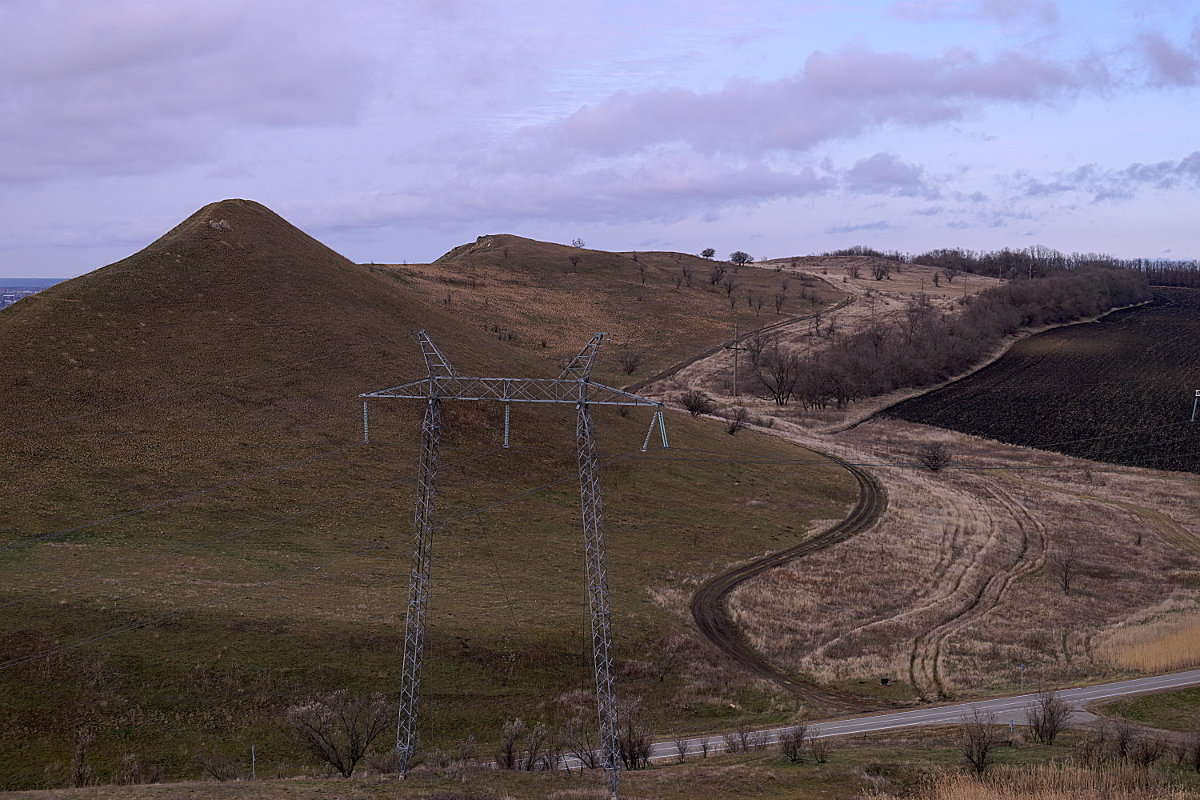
598 594
418 586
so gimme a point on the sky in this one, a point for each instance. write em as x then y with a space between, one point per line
395 130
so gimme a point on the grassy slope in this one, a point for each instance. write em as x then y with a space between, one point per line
1173 711
532 290
899 763
210 302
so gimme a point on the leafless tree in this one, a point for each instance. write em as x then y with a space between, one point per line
739 418
219 767
934 456
642 271
81 773
853 270
697 402
681 749
704 747
741 258
708 252
716 273
881 270
673 653
792 743
729 284
778 371
819 746
937 281
1065 568
508 756
1047 716
574 261
755 344
541 750
733 743
339 728
1121 736
630 360
1146 750
977 738
687 275
950 273
580 743
577 242
780 297
1193 751
635 739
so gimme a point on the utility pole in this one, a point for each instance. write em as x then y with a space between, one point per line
735 347
573 387
1194 404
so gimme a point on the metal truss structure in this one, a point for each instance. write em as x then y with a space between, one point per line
574 386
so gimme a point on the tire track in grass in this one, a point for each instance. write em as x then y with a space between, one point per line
710 607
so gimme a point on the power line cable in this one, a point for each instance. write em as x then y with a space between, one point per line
181 392
83 641
191 548
31 540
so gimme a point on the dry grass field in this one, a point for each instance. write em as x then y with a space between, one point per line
534 295
873 301
194 539
960 583
1054 782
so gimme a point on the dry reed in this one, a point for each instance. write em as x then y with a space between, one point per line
1052 782
1155 648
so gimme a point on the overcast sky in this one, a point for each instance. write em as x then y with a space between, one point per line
394 130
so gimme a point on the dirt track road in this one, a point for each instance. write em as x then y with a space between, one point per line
711 612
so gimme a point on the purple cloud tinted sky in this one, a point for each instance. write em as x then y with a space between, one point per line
397 129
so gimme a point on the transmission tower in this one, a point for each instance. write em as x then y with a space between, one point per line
573 387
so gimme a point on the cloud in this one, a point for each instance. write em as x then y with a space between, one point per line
1115 184
668 188
879 225
1169 65
884 173
1003 12
837 95
134 86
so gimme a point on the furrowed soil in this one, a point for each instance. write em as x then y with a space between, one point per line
195 539
1118 390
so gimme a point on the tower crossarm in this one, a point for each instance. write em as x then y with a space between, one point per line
515 390
580 368
439 366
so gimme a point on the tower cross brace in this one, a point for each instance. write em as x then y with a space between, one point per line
575 387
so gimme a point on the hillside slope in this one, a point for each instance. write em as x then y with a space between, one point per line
194 539
665 306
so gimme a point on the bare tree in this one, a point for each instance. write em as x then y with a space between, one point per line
574 261
1147 749
81 773
580 743
977 738
687 275
219 767
729 284
508 755
339 728
537 747
881 270
708 252
950 273
778 371
934 456
577 242
630 360
681 749
780 297
697 402
1065 568
819 746
1047 716
853 269
716 273
791 742
739 418
741 258
635 739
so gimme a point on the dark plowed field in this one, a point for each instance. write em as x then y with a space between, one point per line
1117 390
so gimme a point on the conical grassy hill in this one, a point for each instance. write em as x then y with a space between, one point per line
194 538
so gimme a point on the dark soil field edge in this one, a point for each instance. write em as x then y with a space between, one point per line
1086 386
711 613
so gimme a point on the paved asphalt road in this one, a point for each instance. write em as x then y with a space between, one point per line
1006 709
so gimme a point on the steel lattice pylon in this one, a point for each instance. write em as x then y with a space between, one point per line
573 386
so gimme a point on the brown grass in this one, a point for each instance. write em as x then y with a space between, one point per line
1050 782
1156 647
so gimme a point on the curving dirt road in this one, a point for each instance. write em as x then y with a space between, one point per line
711 612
